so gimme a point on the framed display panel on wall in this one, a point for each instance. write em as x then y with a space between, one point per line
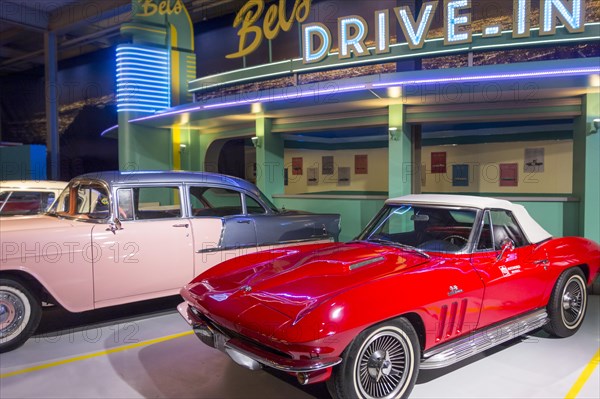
460 175
509 174
312 176
361 164
534 160
297 166
343 176
438 162
327 167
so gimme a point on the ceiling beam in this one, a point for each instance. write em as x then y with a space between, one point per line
33 17
78 14
11 34
7 52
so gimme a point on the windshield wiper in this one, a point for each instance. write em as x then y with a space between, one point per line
399 245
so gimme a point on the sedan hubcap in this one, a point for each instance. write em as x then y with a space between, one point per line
12 311
3 313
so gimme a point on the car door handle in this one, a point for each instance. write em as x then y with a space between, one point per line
244 221
181 225
541 262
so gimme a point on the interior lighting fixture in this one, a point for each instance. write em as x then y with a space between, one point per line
595 126
256 142
256 108
394 134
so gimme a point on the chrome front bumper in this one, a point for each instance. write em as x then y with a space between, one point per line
247 355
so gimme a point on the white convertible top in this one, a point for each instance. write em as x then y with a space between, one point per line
534 232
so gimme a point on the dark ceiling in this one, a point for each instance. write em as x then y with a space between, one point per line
81 26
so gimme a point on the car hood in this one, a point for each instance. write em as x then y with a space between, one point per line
294 280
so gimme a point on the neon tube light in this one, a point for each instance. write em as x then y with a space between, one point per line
291 96
560 72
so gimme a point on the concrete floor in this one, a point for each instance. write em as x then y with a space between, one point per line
111 359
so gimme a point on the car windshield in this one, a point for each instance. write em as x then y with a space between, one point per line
423 228
93 202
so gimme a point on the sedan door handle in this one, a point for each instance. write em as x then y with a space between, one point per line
181 225
244 221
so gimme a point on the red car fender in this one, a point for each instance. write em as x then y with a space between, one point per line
566 252
339 319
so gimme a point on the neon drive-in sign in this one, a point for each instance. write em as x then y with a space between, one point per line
317 40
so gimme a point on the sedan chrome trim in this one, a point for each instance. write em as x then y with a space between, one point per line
266 244
479 341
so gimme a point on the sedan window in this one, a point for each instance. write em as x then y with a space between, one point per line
156 203
253 207
214 201
125 203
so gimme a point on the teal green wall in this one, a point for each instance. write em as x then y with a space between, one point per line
355 213
24 162
558 218
586 167
269 158
142 147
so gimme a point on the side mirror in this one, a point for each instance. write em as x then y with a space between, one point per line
508 245
114 225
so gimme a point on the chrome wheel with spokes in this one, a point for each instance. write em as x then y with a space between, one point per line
573 301
382 362
567 305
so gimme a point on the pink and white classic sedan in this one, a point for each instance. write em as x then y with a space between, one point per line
117 237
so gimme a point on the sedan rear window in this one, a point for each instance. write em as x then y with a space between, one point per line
214 201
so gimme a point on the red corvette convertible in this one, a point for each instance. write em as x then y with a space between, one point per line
432 280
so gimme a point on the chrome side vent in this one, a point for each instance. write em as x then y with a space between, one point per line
451 321
479 341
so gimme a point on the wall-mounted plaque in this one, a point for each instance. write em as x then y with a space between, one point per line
327 165
534 160
297 166
509 174
343 176
361 164
460 175
438 162
312 176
